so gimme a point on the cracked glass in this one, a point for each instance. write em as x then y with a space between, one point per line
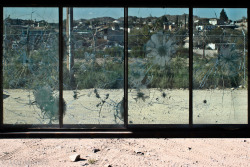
93 65
30 65
220 66
158 66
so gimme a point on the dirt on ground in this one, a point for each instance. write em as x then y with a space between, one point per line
125 152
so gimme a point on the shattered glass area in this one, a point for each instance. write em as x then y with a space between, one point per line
219 72
94 65
158 76
30 66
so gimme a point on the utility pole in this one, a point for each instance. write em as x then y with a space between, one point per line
70 47
28 39
5 41
244 56
204 44
185 21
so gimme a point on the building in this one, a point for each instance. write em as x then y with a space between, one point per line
213 21
167 26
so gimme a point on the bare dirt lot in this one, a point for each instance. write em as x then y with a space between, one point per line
125 152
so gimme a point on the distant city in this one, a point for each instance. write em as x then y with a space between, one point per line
109 32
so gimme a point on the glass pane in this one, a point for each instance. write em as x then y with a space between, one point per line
30 65
220 68
94 65
158 77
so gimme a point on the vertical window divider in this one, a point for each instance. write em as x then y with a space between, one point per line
61 107
1 68
126 67
190 23
248 79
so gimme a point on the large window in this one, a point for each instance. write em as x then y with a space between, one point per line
135 69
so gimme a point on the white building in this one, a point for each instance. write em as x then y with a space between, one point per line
199 28
116 21
213 21
211 45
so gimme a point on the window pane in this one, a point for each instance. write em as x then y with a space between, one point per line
220 68
158 77
30 65
94 65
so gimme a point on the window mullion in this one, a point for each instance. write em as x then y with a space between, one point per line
190 23
126 66
1 67
248 79
61 67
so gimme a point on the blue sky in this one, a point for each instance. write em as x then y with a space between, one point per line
51 14
232 13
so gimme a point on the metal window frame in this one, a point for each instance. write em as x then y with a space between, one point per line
126 130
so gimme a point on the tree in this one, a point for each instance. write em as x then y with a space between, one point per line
223 15
244 19
164 19
159 23
177 20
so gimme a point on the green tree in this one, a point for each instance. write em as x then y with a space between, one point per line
159 23
223 15
177 20
164 18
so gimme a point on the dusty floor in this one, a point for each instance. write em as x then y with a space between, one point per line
125 152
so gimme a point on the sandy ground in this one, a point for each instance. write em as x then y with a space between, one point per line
154 107
125 152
